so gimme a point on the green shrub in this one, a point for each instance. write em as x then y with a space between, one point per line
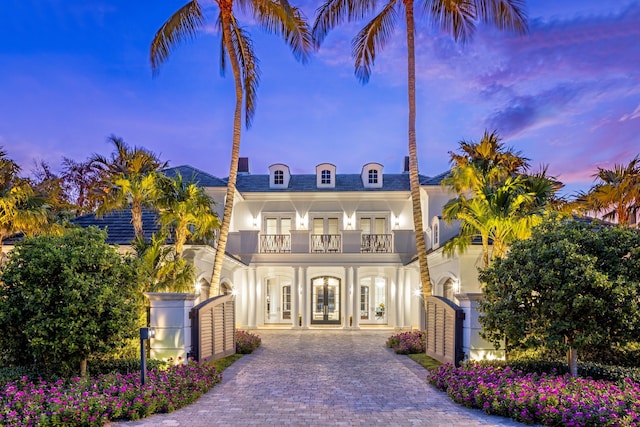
246 342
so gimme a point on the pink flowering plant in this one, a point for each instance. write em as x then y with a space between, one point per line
544 399
246 342
96 401
411 342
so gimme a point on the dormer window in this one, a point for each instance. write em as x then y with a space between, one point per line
279 176
326 176
373 176
435 233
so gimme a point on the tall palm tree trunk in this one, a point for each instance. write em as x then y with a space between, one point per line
225 12
421 246
136 219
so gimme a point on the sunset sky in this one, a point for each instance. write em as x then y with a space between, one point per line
567 94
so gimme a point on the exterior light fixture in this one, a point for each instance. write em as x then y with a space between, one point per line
145 334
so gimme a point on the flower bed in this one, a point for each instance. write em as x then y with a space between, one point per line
95 401
541 398
246 342
411 342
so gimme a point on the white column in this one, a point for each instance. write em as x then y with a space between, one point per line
356 299
252 298
242 301
295 298
306 298
348 302
404 298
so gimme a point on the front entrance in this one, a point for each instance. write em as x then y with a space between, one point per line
325 300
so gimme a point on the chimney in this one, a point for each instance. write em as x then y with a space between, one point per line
243 165
406 165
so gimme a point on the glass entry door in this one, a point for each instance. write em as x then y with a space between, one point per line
325 300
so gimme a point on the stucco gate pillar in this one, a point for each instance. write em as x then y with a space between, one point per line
473 345
169 317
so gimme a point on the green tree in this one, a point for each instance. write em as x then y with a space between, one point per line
616 193
160 268
497 201
570 287
457 18
275 16
64 298
79 180
21 210
186 211
128 180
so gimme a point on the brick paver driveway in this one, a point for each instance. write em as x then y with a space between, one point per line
320 378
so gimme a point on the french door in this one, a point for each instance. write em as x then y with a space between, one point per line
325 300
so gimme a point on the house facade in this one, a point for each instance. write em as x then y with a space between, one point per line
330 249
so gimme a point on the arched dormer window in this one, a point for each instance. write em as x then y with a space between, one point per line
279 176
371 175
326 176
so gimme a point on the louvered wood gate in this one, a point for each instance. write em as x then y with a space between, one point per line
213 328
444 330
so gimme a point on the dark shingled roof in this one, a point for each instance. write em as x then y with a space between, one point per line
118 225
344 182
200 177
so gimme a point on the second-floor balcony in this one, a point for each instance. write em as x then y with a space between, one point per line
326 243
275 243
376 243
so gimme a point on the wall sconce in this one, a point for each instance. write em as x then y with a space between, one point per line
198 287
417 292
255 222
397 222
349 224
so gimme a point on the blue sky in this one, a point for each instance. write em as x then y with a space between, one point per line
567 95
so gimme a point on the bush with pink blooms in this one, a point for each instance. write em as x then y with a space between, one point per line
411 342
541 398
96 401
246 342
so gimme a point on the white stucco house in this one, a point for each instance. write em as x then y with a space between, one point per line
310 250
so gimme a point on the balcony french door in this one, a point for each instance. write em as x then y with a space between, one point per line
325 300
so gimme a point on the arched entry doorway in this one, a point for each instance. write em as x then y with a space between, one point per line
325 300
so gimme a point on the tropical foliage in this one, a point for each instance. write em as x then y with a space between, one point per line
64 298
129 180
497 201
616 194
278 17
458 19
571 286
22 210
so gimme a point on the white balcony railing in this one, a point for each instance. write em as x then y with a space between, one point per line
376 243
275 243
325 243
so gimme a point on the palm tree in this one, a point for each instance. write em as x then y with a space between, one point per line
616 193
128 179
21 210
456 17
186 211
276 16
497 201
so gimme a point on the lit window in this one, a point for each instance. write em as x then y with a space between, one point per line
278 177
373 176
325 177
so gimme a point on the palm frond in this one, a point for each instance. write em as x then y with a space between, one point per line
280 18
507 15
243 50
335 12
454 17
182 25
372 37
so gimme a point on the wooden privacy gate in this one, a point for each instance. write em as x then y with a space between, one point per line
213 328
444 330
